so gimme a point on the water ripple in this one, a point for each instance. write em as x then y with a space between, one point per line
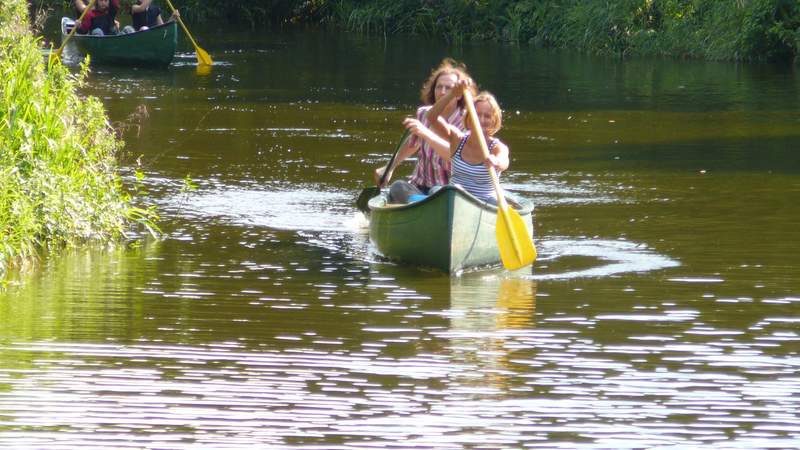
618 257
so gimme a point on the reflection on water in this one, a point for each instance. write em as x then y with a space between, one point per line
197 352
474 361
294 210
486 313
203 70
498 301
661 312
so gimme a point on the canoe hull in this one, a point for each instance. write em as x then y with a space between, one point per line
154 47
450 230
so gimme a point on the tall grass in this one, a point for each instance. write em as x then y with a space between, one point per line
712 29
59 185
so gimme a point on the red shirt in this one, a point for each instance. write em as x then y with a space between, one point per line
100 19
431 169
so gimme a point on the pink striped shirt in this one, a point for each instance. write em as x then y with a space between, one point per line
431 170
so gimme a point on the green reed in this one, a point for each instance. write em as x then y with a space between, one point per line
59 184
712 29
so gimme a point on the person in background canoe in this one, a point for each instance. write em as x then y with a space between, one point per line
146 15
430 170
469 168
100 20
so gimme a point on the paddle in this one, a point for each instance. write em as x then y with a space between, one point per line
202 55
372 191
57 53
513 240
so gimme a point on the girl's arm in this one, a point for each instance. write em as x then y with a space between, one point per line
80 6
438 108
440 145
498 157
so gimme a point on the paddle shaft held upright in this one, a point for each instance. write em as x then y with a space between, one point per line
74 28
513 239
403 140
478 133
202 56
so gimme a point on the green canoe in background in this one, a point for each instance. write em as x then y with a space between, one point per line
449 230
153 47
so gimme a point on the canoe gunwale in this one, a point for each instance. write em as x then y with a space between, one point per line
64 32
379 202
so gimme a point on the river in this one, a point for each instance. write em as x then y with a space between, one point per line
660 313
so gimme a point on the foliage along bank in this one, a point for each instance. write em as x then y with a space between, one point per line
59 184
714 29
753 30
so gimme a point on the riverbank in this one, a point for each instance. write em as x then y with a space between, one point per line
737 30
752 30
59 181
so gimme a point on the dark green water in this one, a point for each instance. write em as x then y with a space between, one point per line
661 311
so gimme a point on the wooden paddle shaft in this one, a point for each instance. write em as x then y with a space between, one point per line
402 142
520 251
180 21
75 28
186 30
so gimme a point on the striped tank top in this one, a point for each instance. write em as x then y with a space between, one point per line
474 178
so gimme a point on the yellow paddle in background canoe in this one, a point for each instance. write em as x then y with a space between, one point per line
202 56
513 239
57 53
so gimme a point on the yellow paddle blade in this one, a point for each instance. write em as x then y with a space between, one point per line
72 31
203 57
202 70
513 240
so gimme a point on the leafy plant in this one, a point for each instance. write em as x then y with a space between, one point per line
59 185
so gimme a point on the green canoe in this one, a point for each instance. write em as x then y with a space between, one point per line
449 230
153 47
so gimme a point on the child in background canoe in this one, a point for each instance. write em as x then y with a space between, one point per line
146 15
469 166
430 170
100 20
